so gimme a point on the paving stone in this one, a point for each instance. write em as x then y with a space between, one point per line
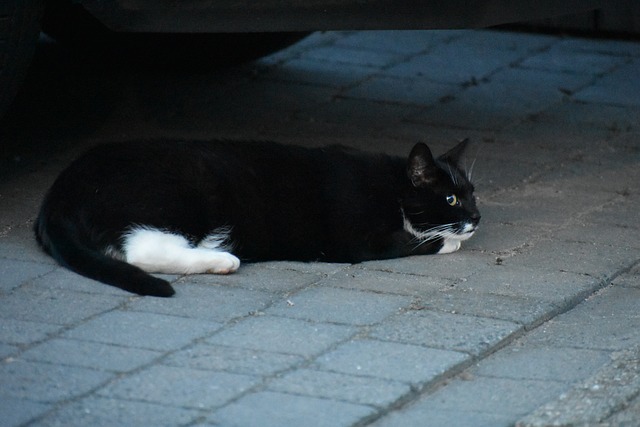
90 355
321 73
491 177
258 277
605 47
143 330
320 269
273 106
209 302
542 363
595 325
353 56
6 350
17 412
559 287
585 117
513 211
335 305
358 113
400 42
455 266
14 331
55 307
490 106
103 412
557 205
44 382
181 387
558 140
349 388
588 258
191 101
610 302
572 174
514 41
603 233
14 273
503 238
19 244
438 138
379 281
612 179
625 417
496 396
391 361
63 280
457 62
626 143
596 399
523 310
617 88
579 62
232 359
282 335
471 334
631 279
619 214
270 409
402 91
433 417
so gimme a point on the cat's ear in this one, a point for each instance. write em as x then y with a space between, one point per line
454 155
422 167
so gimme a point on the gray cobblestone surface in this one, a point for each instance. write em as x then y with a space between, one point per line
533 309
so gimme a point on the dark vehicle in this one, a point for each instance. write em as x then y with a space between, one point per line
233 29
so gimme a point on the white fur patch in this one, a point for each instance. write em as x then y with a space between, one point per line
449 246
158 251
451 241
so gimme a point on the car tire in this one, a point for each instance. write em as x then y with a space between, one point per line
19 32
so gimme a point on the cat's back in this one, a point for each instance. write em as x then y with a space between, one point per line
268 165
137 160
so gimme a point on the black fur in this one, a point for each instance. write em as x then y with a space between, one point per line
280 202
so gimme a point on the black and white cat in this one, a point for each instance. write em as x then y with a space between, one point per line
124 210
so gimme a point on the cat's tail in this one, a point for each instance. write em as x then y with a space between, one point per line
58 241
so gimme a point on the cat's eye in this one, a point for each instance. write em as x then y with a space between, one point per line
453 200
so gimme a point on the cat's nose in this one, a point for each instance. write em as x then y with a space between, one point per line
475 217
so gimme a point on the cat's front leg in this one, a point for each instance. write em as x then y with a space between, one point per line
449 246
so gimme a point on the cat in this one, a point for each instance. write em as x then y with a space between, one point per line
124 210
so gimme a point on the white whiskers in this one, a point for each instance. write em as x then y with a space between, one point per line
440 232
455 231
421 237
469 171
452 175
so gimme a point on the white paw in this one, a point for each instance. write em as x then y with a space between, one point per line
449 246
224 263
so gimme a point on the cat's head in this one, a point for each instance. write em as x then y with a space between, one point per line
439 201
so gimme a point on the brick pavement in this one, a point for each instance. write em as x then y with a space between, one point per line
530 311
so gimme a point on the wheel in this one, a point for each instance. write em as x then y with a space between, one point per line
19 31
71 25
